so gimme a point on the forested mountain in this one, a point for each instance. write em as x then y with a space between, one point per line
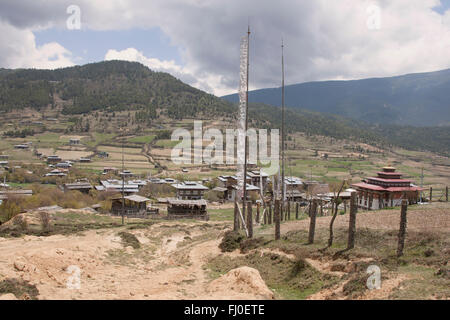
116 85
120 85
421 99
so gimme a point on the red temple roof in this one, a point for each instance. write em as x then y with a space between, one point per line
373 187
389 173
388 180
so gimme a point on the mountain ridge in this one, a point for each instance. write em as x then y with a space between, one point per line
418 99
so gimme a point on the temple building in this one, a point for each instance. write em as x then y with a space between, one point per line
386 190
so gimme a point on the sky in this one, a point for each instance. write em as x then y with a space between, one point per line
198 41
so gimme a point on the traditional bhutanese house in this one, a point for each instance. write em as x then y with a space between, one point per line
386 190
295 195
109 169
293 183
190 190
222 193
74 141
56 173
256 177
64 165
187 209
21 146
5 194
116 186
252 192
126 173
84 187
53 159
133 205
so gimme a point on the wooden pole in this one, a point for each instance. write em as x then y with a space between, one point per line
258 205
249 219
265 214
352 221
312 221
269 217
289 211
431 194
236 216
296 210
277 219
402 231
446 193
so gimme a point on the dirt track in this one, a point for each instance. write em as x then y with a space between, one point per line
167 266
170 272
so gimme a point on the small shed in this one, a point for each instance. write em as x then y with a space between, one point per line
74 141
187 209
134 205
78 186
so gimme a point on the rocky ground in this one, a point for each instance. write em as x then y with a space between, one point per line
170 260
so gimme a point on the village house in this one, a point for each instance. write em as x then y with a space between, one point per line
132 205
82 186
190 190
21 146
74 141
85 160
5 194
56 173
116 186
107 170
53 159
187 209
293 183
64 165
252 192
256 177
386 190
126 173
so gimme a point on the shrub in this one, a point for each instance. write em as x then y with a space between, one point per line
231 241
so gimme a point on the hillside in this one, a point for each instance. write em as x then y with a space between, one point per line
119 86
421 99
111 85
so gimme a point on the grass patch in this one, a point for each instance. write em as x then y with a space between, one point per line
142 139
288 279
129 239
19 288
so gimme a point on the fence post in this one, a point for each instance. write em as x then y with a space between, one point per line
352 221
276 218
269 217
265 209
249 219
296 210
402 231
431 194
236 216
289 211
312 221
258 205
446 193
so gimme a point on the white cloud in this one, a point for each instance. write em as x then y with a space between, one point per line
323 39
206 82
19 50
